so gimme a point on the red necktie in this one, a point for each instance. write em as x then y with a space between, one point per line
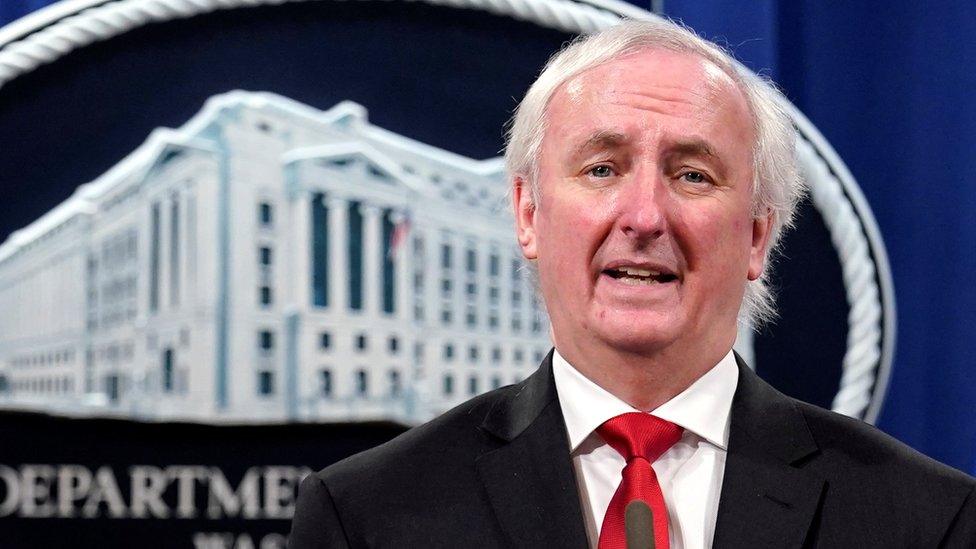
640 439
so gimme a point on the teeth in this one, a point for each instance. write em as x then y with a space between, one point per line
638 272
634 281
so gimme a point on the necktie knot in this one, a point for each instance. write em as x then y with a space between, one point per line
636 434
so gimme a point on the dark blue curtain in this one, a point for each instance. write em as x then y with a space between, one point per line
890 84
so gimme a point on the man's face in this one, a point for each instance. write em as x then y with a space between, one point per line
644 235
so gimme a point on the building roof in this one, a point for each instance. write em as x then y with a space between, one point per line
347 117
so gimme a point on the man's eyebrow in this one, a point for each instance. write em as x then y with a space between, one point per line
693 147
698 148
602 139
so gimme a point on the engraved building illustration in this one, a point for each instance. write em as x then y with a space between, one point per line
269 261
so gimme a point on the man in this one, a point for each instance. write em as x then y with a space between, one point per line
650 182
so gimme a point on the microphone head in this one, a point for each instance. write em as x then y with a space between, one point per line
639 525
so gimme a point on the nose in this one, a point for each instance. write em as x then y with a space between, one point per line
641 207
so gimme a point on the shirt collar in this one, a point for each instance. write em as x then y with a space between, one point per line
703 408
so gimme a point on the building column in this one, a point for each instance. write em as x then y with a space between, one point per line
432 275
189 248
292 274
505 255
460 297
484 282
338 245
372 259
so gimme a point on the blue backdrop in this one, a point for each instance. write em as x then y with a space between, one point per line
890 86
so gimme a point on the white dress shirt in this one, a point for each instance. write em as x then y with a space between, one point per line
690 473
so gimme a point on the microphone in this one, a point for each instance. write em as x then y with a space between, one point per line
639 525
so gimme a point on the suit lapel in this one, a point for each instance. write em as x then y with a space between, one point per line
529 479
766 501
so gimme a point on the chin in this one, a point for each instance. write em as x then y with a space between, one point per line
637 337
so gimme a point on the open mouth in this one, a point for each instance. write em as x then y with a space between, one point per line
638 277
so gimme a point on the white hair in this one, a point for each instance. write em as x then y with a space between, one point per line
777 185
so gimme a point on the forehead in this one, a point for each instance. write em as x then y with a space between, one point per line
671 90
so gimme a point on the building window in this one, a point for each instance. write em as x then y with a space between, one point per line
174 252
361 342
168 371
519 356
446 287
496 382
496 355
493 264
393 345
265 383
418 351
389 229
326 377
472 289
264 296
448 351
473 385
266 340
516 324
113 387
446 316
320 251
264 255
355 253
154 259
472 262
265 214
395 384
446 258
471 318
493 321
325 340
448 384
539 356
473 353
362 382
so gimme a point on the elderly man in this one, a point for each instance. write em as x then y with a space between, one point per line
650 182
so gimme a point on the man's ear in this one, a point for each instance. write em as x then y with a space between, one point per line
524 207
761 229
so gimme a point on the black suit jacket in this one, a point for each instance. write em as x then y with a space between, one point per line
496 472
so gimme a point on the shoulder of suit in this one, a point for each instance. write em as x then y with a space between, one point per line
860 444
455 436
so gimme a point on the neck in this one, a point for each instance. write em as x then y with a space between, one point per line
647 379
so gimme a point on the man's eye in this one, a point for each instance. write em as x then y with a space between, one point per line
694 177
601 171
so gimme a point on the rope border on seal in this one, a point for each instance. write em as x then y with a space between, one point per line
833 190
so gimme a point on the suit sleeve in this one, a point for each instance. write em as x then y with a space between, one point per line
316 522
962 532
